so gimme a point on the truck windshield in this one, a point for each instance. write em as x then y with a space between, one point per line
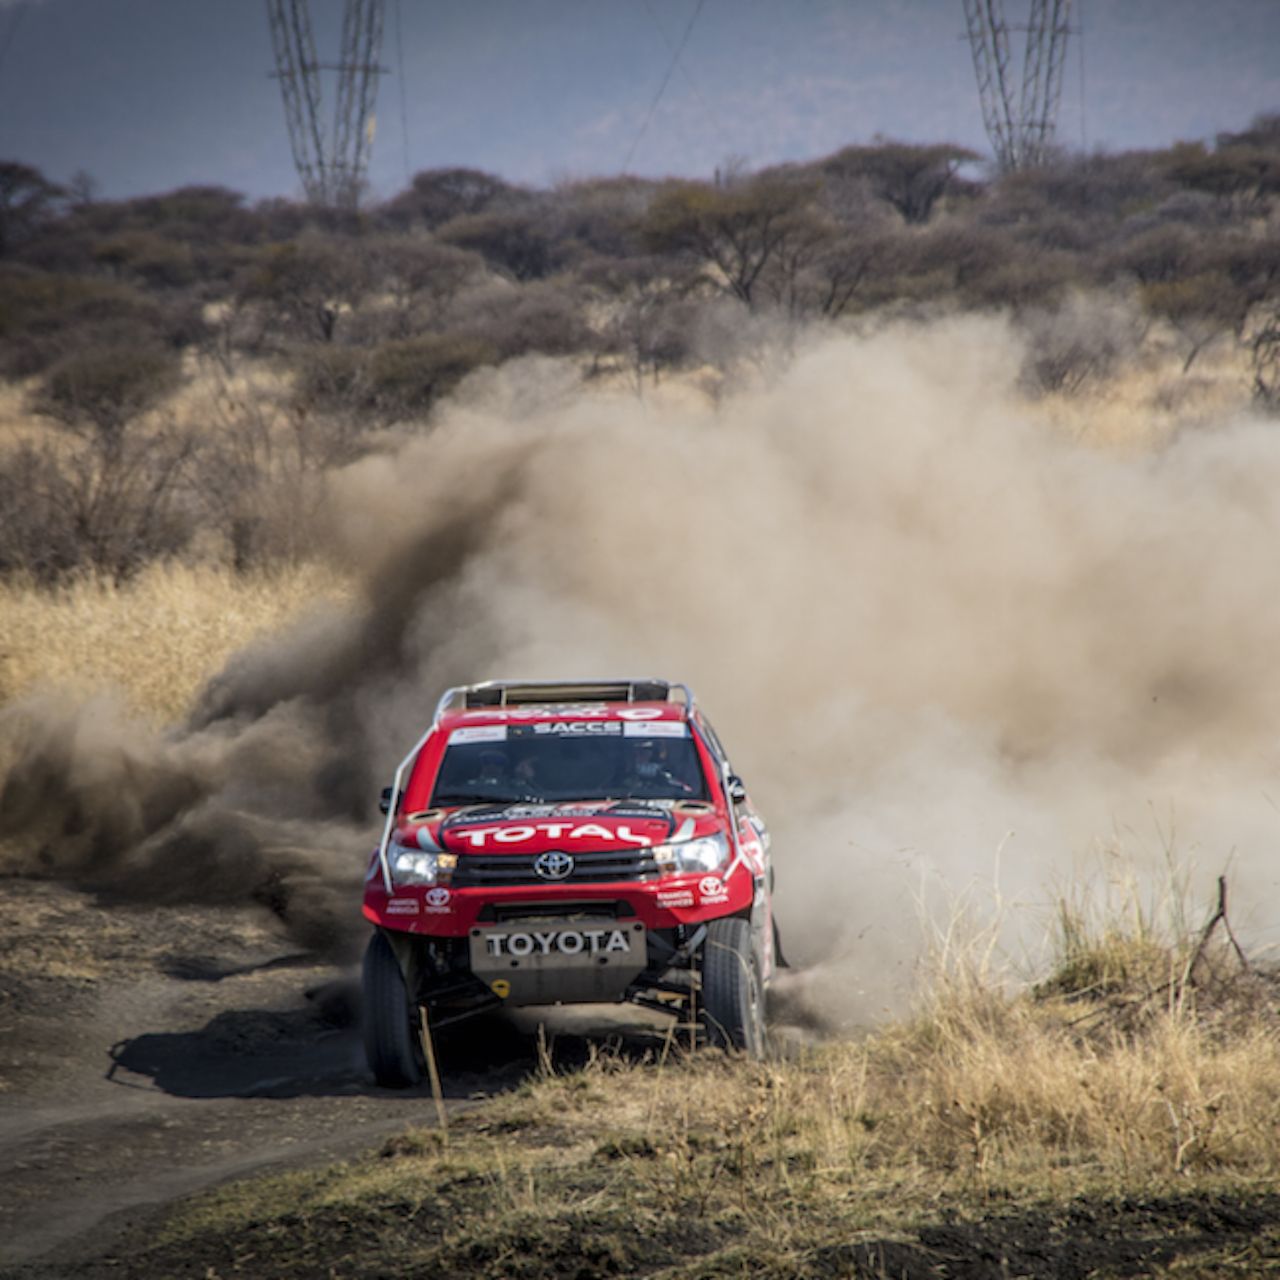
570 760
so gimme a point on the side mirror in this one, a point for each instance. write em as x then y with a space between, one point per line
384 802
737 792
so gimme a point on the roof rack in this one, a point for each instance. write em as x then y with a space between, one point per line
508 693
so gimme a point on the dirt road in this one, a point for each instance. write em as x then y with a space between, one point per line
148 1052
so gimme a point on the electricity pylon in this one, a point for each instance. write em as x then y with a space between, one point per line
1021 131
331 164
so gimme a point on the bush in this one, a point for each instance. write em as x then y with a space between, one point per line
1025 279
435 196
37 523
600 217
110 509
952 258
393 381
1200 309
408 377
513 242
27 202
309 283
44 316
1082 341
104 388
153 260
420 278
1238 172
1161 254
1264 353
546 316
1097 191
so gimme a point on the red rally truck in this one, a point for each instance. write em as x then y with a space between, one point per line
560 844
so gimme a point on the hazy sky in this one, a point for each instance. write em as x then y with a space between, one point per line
148 95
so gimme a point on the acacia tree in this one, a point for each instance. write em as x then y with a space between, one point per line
309 282
1264 352
121 483
649 312
97 392
911 179
1199 308
738 231
27 198
420 278
434 196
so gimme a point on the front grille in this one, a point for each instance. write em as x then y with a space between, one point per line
553 909
490 870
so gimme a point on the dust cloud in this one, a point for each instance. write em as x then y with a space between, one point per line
954 652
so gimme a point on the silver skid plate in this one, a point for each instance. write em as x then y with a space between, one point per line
545 962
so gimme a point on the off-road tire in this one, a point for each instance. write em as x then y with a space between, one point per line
391 1037
732 993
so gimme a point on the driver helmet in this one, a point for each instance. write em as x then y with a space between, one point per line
647 764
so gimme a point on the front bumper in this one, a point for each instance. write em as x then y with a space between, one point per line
451 911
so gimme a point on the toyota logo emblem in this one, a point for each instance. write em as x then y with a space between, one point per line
553 865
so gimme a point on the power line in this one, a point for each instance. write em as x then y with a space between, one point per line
662 88
404 114
18 14
684 71
1084 136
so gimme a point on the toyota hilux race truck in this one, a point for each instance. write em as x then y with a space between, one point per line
561 844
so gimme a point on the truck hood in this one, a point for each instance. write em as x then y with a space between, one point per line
591 827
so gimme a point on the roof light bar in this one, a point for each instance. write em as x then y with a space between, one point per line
506 693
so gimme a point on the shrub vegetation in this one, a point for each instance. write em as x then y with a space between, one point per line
108 307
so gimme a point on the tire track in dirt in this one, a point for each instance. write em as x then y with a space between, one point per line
151 1053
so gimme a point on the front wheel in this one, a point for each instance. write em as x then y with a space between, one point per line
391 1039
732 994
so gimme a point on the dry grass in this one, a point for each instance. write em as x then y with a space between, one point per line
1038 1127
153 640
1149 400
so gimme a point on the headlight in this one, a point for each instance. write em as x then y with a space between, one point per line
707 854
410 865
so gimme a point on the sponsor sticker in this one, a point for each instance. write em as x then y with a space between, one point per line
567 729
656 729
479 837
712 889
479 733
402 907
676 898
